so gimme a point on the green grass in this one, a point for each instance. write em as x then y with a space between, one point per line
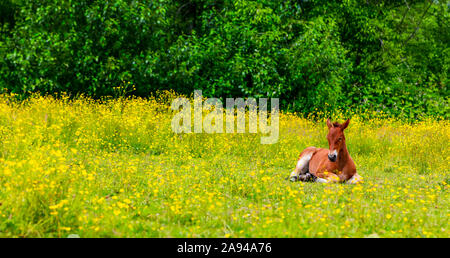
116 170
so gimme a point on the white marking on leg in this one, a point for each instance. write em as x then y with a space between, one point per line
354 179
303 162
321 180
302 166
293 174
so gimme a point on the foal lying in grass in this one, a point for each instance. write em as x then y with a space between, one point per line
327 165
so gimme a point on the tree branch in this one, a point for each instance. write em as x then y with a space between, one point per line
404 16
417 26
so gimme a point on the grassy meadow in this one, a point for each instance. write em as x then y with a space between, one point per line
114 168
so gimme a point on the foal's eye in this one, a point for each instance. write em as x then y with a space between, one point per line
340 139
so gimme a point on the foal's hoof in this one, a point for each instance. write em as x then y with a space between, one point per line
293 178
304 178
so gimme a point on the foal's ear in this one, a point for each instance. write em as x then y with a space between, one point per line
329 124
345 124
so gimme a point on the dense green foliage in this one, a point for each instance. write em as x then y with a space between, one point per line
318 54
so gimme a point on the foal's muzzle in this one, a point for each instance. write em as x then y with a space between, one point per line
332 157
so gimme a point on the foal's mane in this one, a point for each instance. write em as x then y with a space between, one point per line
336 124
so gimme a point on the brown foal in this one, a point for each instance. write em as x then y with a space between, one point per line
327 165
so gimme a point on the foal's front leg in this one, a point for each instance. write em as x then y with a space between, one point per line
354 179
327 177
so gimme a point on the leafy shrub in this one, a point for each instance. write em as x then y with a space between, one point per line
315 55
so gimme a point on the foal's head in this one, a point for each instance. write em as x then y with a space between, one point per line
336 138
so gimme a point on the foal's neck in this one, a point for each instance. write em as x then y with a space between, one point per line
343 157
